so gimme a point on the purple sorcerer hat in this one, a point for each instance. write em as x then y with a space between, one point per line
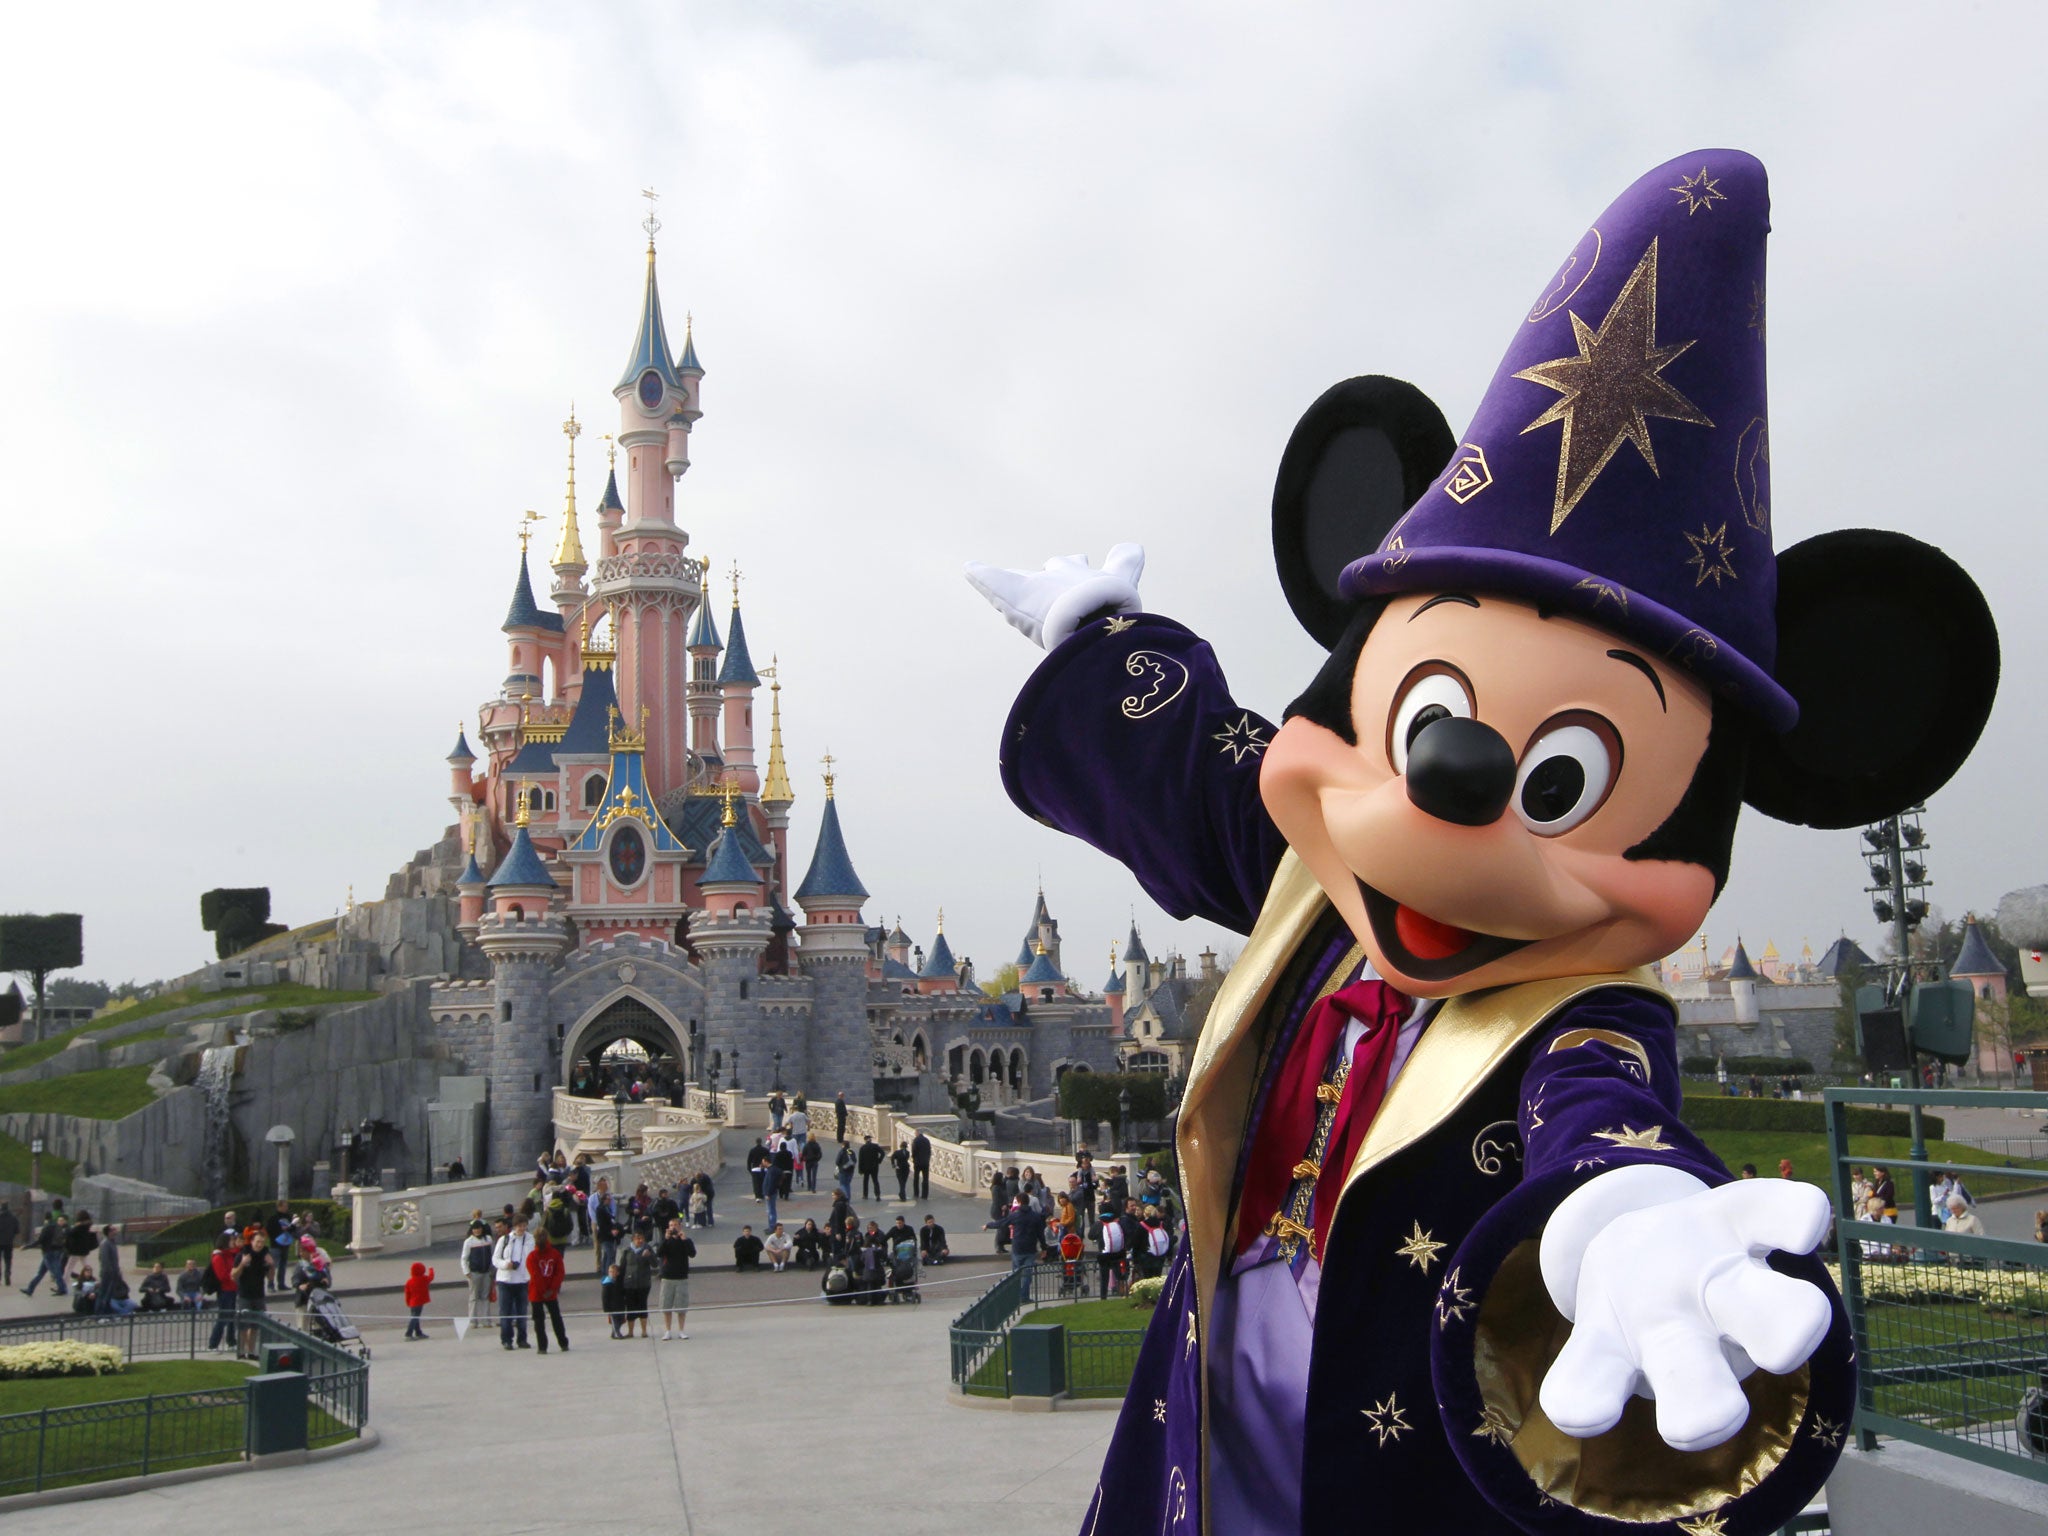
1619 466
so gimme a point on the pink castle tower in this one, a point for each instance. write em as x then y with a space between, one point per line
652 585
737 681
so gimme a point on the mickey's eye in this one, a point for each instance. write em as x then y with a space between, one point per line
1566 774
1433 692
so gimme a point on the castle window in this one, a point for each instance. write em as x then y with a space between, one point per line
505 1012
593 790
551 799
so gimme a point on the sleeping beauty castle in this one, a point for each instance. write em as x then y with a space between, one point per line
626 887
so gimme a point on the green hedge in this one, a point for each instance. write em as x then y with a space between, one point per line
190 1231
1743 1066
1711 1112
1093 1095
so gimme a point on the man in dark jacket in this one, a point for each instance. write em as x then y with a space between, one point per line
839 1118
757 1165
277 1226
10 1236
746 1251
79 1241
785 1167
869 1159
113 1284
676 1250
921 1166
814 1154
931 1241
50 1245
1026 1226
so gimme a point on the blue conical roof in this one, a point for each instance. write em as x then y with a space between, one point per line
1027 951
1115 985
461 754
1975 958
611 501
471 875
522 865
1134 948
703 631
524 612
650 346
728 865
940 964
688 363
590 727
831 872
739 666
1741 970
1842 955
1042 973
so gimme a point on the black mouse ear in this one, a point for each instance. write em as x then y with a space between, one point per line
1891 652
1356 462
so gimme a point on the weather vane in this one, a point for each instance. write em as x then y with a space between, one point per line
651 224
611 452
526 521
734 573
828 760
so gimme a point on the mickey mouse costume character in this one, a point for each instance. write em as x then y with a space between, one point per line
1455 1264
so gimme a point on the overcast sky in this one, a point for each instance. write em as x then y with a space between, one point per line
296 298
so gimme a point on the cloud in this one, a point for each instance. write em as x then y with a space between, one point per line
297 301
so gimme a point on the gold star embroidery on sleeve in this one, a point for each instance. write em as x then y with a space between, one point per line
1705 1525
1420 1249
1494 1426
1158 1410
1453 1301
1536 1110
1588 1162
1116 624
1650 1140
1388 1419
1191 1336
1242 739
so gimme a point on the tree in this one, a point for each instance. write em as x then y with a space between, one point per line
1004 980
35 945
237 917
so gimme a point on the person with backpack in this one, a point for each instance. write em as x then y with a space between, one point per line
842 1169
79 1242
559 1223
1112 1253
477 1270
508 1263
50 1248
814 1154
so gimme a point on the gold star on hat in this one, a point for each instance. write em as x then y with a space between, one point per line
1649 1140
1611 388
1697 192
1420 1249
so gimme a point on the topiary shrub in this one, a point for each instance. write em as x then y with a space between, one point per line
1712 1112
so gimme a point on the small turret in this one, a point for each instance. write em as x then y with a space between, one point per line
831 892
730 883
1113 993
1044 978
941 973
459 775
1742 986
469 891
704 697
1976 964
737 681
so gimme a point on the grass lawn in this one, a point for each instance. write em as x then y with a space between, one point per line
1922 1333
1809 1154
15 1163
286 995
109 1093
1117 1312
1096 1366
185 1431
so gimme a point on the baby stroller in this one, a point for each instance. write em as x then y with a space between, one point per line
903 1271
326 1320
1071 1283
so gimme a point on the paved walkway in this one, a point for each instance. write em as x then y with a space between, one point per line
768 1421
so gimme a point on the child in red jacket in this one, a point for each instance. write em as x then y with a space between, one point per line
544 1291
417 1296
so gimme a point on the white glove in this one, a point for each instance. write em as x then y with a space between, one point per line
1049 605
1665 1284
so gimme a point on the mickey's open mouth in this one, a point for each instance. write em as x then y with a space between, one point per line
1428 950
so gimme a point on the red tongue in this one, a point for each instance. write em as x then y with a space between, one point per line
1427 939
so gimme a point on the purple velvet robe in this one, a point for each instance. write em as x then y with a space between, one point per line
1127 737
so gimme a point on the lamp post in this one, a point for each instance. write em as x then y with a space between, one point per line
1123 1118
35 1164
735 1069
619 1121
366 1146
347 1139
717 1109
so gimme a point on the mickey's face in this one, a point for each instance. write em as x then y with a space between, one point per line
1505 764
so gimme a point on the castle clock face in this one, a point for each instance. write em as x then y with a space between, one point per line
628 856
650 389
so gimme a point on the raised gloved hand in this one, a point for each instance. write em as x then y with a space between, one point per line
1664 1282
1048 605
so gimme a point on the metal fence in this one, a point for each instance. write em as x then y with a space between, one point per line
61 1446
1099 1361
1951 1329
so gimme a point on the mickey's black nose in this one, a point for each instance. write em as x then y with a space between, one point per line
1461 771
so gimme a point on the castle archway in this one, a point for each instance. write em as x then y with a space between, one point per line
628 1014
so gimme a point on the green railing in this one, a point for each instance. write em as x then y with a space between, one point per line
1099 1361
127 1437
1951 1329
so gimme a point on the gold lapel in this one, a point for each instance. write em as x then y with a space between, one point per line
1469 1037
1220 1082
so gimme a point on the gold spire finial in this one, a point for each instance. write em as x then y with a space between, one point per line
651 224
728 791
526 521
734 573
775 788
828 760
519 798
942 919
570 550
1040 949
611 451
1112 957
351 896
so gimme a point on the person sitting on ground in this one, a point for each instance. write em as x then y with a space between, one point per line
808 1246
931 1241
156 1290
777 1248
746 1251
84 1291
192 1287
1961 1218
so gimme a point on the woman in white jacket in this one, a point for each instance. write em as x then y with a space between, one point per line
478 1271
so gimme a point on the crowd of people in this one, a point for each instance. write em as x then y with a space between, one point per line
1131 1233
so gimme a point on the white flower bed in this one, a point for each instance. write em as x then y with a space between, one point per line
58 1357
